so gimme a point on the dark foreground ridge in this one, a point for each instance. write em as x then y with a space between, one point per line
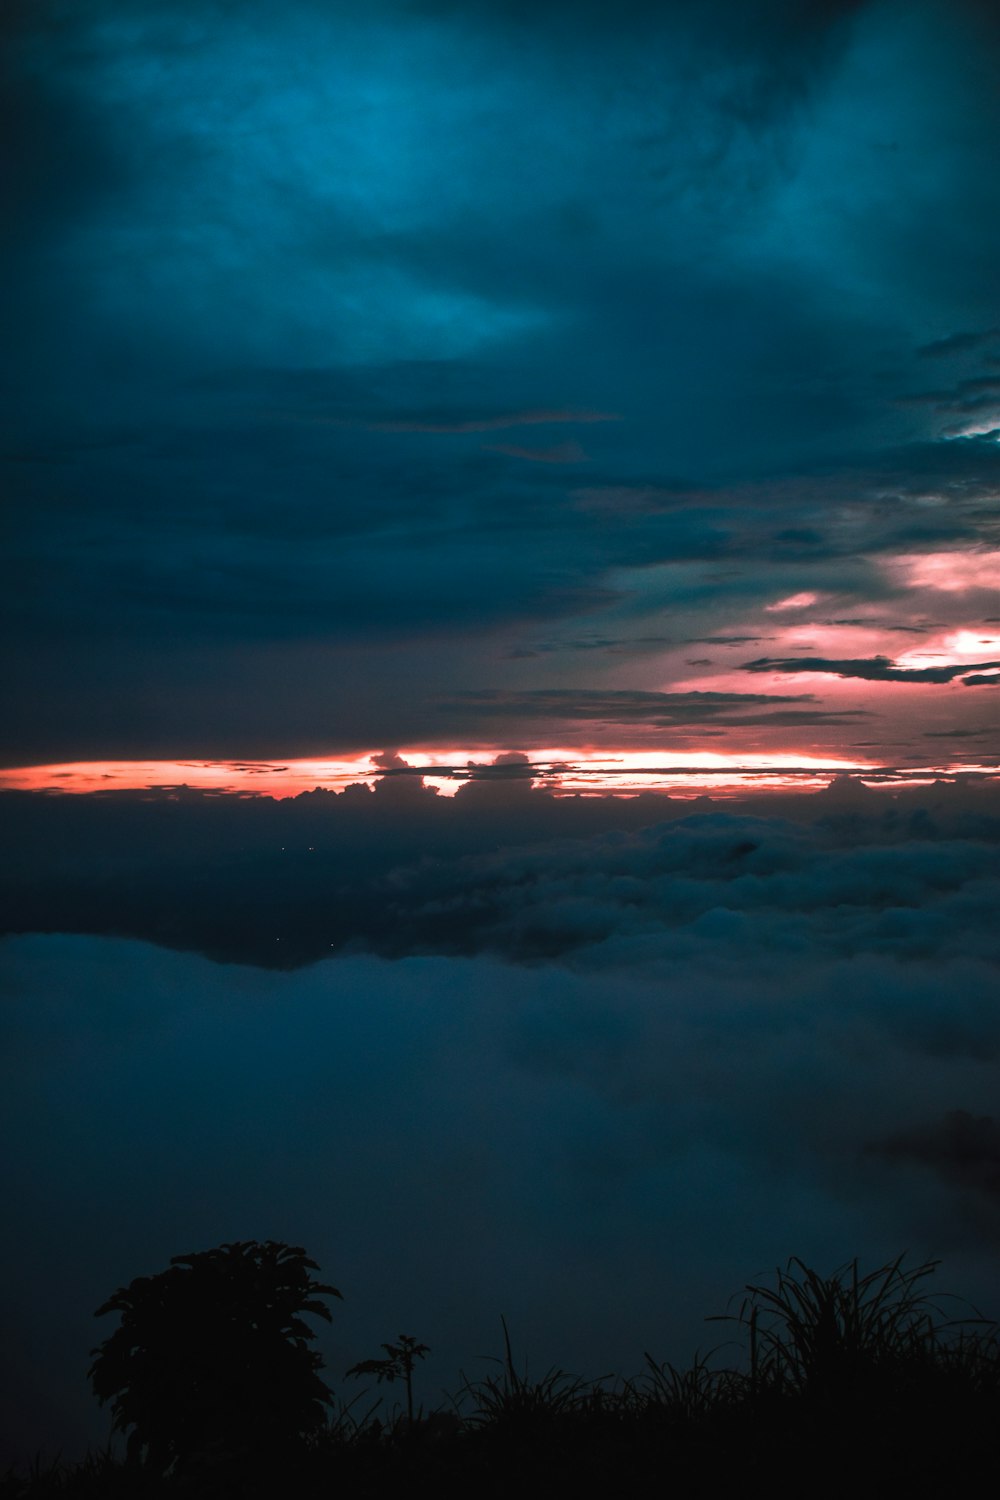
860 1379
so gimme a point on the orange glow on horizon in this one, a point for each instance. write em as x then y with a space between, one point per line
559 770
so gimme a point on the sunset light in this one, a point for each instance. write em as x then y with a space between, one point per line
948 572
563 771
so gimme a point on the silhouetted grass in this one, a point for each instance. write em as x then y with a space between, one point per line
853 1379
509 1403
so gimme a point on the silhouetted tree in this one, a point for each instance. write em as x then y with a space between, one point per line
212 1355
397 1365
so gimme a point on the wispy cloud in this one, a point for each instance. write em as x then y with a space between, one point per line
959 343
561 453
633 706
445 422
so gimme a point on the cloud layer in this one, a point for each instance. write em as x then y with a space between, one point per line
601 1083
503 869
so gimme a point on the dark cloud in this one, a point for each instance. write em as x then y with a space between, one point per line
248 390
723 640
615 645
873 622
633 706
962 1148
955 734
397 869
874 669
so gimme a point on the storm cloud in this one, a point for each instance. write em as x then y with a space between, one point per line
314 320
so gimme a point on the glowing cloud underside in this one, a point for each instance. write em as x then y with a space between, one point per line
946 572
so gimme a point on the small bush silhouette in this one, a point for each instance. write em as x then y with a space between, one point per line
212 1358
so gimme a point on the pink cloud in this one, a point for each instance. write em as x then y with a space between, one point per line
949 572
794 601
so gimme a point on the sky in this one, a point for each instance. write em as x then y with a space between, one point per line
426 375
500 658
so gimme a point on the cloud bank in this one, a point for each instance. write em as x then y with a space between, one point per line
593 1083
503 869
601 1151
